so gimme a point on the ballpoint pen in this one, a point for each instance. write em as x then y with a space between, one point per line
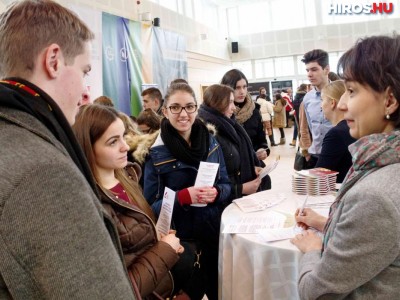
303 206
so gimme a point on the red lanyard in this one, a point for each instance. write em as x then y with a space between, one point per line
21 86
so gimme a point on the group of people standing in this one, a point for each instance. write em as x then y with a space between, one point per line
76 224
189 134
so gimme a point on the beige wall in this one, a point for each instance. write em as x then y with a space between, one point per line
204 71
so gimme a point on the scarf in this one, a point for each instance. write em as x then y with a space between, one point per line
244 110
24 96
369 154
190 154
235 132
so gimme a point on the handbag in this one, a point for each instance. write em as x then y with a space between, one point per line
188 273
299 161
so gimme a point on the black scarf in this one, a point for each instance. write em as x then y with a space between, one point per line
235 132
42 107
180 149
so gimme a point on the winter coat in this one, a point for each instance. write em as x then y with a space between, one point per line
280 114
139 146
234 159
266 109
57 242
289 104
254 128
147 259
298 99
164 170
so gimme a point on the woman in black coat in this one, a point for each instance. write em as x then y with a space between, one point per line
249 116
241 161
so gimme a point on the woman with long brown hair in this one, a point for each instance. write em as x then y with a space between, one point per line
218 109
148 257
173 162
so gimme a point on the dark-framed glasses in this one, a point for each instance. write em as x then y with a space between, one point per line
177 109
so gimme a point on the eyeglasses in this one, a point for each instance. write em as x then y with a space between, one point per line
177 109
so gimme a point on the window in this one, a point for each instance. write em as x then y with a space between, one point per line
253 18
263 16
284 66
286 14
301 68
188 8
181 7
198 11
333 60
233 21
264 68
245 67
170 4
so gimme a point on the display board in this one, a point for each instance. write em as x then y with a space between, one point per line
280 85
255 86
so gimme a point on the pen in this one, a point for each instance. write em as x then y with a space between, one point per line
303 206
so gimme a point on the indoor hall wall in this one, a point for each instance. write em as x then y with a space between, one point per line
331 38
208 56
204 71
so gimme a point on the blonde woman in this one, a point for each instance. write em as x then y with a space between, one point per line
335 154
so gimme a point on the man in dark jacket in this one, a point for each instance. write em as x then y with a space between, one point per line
55 240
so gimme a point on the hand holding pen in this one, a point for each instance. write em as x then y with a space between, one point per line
306 217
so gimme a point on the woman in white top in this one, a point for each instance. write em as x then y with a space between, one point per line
267 110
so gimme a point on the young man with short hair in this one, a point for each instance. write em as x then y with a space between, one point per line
56 242
313 124
152 99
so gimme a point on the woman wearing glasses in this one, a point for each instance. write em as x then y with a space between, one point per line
174 159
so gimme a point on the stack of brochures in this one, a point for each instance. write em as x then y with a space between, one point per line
315 182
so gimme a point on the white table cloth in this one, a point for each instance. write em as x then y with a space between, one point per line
250 268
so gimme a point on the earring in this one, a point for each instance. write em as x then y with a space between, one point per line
387 117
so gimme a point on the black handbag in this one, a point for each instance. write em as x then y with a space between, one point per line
299 161
188 273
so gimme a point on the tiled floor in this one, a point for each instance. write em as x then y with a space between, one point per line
281 176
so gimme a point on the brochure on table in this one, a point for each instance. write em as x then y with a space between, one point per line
252 224
251 203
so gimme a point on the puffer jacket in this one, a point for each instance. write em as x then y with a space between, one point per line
164 170
147 259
